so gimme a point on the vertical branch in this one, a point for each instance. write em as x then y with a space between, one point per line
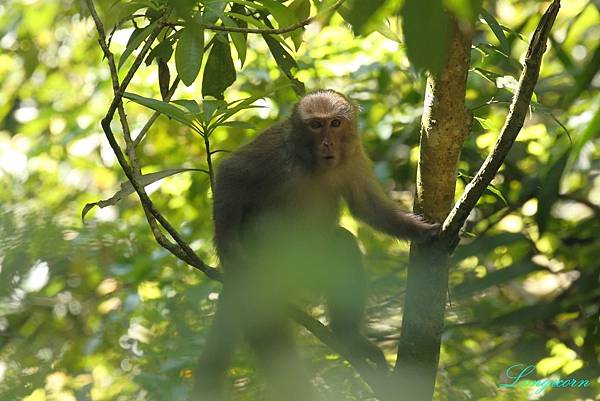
445 123
442 133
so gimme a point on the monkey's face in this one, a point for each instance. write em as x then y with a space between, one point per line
329 137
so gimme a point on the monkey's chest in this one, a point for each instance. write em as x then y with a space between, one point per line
296 208
312 204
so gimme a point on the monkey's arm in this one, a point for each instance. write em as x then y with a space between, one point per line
368 202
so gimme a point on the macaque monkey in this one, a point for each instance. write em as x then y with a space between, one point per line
276 210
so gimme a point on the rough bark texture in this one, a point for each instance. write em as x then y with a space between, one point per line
444 125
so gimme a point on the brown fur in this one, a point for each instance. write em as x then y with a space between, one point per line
281 170
276 207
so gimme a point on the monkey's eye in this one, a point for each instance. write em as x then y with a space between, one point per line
336 123
315 124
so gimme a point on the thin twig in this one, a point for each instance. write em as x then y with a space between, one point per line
190 255
211 172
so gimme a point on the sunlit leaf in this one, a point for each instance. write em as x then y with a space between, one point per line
127 188
548 193
425 25
497 30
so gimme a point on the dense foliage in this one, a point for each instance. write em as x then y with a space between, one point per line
98 311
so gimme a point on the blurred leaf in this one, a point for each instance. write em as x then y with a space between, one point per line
127 188
591 131
549 191
496 277
237 124
485 245
497 193
189 52
467 10
388 33
497 30
219 72
562 55
301 9
358 13
182 8
425 25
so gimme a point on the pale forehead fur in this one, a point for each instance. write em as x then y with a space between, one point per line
325 105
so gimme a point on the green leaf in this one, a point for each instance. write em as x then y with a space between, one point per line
497 30
360 12
189 104
285 62
592 130
425 26
467 10
549 191
189 53
386 32
301 9
496 192
495 278
219 72
209 106
486 244
163 107
127 188
182 8
214 11
283 15
163 51
136 38
238 38
258 24
237 124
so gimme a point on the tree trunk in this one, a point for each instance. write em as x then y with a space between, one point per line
444 126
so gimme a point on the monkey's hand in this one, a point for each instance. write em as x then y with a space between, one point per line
424 231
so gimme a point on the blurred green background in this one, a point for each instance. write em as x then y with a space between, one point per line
98 311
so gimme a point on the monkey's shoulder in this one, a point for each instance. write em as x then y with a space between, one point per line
262 161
